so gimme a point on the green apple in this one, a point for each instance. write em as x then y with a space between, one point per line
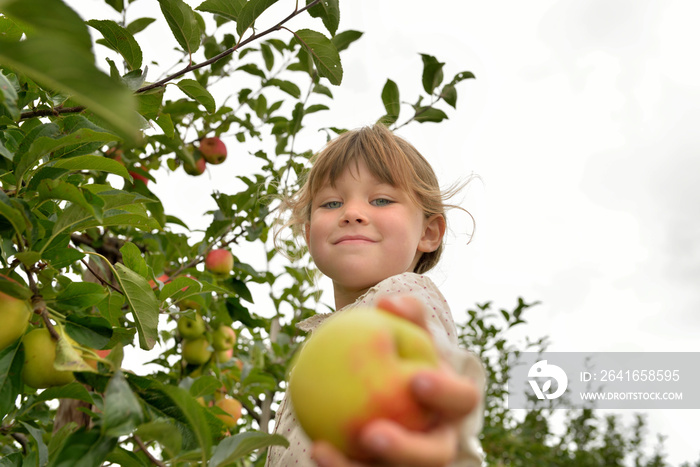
191 328
198 168
223 356
14 316
223 338
196 351
39 355
232 407
213 150
357 368
219 261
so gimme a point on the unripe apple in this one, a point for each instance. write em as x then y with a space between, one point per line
39 356
198 168
232 407
14 316
196 351
219 261
223 356
223 338
357 368
191 328
213 150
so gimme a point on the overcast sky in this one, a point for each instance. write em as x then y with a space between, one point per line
582 125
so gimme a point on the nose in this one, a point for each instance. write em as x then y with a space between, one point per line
353 214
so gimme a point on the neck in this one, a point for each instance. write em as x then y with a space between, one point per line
344 296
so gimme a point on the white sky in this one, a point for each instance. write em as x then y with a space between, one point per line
582 124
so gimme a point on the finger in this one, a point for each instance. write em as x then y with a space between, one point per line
326 455
395 445
405 306
449 394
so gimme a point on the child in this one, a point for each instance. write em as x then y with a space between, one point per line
373 217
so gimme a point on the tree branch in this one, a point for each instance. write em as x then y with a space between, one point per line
50 112
227 52
143 448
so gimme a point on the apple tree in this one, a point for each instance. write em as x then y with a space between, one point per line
100 273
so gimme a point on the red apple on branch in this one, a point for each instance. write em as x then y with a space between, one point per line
213 150
219 261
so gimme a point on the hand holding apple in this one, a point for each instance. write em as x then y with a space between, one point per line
357 368
450 395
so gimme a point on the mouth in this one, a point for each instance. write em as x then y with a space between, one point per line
353 240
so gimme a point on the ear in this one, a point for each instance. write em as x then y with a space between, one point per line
433 232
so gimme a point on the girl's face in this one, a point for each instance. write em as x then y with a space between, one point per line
362 231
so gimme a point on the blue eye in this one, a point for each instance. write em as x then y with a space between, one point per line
332 204
381 202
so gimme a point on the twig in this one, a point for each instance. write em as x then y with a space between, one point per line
50 112
229 51
100 278
147 453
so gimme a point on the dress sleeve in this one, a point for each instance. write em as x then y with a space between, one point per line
441 326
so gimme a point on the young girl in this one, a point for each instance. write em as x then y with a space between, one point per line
373 217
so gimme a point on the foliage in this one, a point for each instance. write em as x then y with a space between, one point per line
90 244
531 437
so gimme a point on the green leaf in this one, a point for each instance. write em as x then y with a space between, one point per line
429 114
194 414
63 67
91 331
120 40
9 31
37 434
139 24
164 432
80 295
150 102
14 289
250 12
44 145
134 260
183 24
432 73
204 385
241 445
229 9
73 390
329 12
268 56
122 411
142 302
56 189
449 94
323 53
11 361
462 76
8 98
10 211
165 122
68 358
391 100
342 40
49 18
99 163
198 92
286 86
84 449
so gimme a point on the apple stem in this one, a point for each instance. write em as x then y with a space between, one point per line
49 325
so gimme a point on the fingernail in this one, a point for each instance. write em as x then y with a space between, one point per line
378 443
422 385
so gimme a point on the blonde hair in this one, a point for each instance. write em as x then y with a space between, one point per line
389 158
